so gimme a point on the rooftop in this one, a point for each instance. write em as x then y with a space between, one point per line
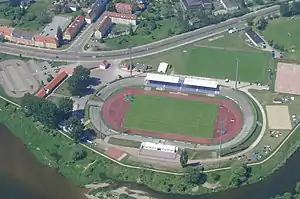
22 34
123 6
57 79
74 26
120 15
106 21
162 78
51 28
196 3
255 37
5 31
200 82
45 39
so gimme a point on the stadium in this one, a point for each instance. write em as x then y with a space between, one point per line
171 107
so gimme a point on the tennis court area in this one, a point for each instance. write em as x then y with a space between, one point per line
158 113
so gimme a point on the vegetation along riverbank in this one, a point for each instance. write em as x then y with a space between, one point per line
82 166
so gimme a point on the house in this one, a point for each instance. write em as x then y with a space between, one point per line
229 5
104 27
45 41
41 93
120 18
6 32
20 37
74 28
96 10
196 4
255 38
124 8
104 64
25 4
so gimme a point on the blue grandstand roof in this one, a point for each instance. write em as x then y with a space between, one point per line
20 34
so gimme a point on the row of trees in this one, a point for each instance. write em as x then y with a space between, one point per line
287 195
52 115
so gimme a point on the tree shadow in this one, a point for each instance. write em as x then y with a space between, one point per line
194 164
93 81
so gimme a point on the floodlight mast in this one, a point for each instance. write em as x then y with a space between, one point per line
236 74
130 60
222 131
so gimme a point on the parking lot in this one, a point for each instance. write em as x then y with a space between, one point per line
16 78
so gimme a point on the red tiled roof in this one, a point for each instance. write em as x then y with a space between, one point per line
57 79
123 6
68 70
74 26
41 93
45 39
106 21
5 31
121 15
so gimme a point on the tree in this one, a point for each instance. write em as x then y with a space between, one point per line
295 8
65 106
131 32
59 35
75 127
250 21
184 158
41 109
297 188
239 173
194 175
79 155
262 23
78 82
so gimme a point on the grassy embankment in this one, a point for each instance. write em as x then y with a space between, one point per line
216 59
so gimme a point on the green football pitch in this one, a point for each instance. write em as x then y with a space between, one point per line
165 114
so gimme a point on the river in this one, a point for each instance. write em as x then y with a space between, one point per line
23 177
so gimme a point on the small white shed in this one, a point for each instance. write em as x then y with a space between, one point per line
163 67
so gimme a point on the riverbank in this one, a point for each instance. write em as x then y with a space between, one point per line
56 151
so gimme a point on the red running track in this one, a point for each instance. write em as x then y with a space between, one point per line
114 109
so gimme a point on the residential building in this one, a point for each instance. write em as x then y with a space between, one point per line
73 6
104 27
20 37
74 28
255 38
120 18
6 32
124 8
196 4
229 5
45 41
96 10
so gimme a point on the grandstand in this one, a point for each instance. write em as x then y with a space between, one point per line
192 84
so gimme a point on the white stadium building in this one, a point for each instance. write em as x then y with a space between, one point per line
159 147
193 84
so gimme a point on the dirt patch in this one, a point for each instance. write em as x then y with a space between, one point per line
115 153
279 117
114 109
287 78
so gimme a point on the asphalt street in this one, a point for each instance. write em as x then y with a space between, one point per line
75 53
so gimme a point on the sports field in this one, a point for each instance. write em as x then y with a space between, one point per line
215 62
285 31
171 115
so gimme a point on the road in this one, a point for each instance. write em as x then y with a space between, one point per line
75 53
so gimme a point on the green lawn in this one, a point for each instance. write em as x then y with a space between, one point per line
215 62
139 38
285 31
123 142
171 115
63 89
